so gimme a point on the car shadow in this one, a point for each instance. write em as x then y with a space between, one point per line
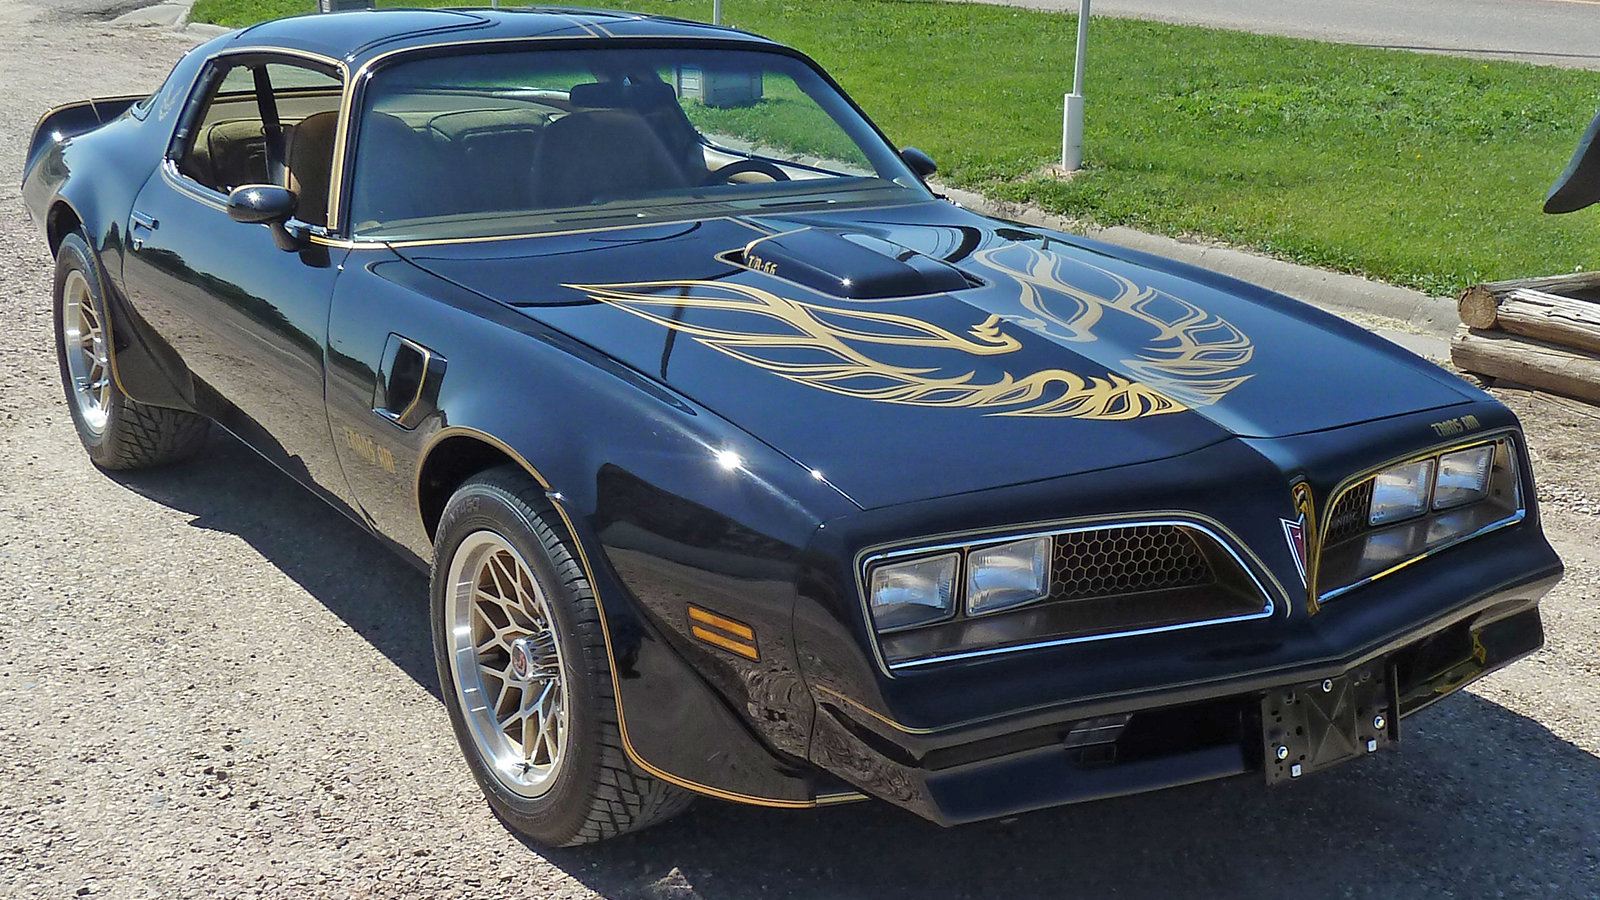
229 488
1476 801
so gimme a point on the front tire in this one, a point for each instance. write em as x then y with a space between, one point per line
117 431
524 670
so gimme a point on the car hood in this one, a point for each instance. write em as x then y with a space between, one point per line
919 351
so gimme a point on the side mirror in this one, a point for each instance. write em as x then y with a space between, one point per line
268 204
1579 185
260 204
919 162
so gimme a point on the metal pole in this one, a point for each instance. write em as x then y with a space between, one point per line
716 12
1072 117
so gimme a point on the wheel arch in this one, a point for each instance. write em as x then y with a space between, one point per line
62 220
457 453
452 457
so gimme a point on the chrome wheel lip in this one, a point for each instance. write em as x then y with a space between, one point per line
86 352
480 652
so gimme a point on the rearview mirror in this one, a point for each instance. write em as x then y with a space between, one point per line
258 204
1579 185
919 162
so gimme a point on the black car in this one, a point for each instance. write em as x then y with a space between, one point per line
745 464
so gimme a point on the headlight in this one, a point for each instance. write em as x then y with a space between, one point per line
1417 508
1400 492
1008 575
914 593
1463 477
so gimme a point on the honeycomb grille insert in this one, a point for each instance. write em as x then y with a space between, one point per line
1349 517
1109 562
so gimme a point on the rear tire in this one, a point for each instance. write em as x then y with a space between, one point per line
117 431
525 673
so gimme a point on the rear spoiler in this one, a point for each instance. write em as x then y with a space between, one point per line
1579 185
75 118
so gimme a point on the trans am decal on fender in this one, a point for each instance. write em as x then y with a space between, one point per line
1188 361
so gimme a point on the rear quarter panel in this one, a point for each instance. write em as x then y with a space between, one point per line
82 174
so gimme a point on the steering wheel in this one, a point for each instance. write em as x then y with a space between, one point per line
759 166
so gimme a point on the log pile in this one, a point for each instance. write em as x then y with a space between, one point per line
1541 332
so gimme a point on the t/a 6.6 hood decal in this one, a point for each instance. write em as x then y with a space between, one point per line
1191 358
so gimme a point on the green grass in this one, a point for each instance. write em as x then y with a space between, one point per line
785 118
1426 171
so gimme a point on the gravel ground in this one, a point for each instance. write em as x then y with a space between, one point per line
212 685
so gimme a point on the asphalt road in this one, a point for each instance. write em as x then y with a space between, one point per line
1548 32
213 686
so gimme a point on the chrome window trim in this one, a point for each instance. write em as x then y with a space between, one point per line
1180 520
341 133
195 190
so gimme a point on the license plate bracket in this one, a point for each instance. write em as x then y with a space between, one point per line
1310 727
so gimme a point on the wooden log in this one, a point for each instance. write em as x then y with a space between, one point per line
1545 366
1477 305
1551 318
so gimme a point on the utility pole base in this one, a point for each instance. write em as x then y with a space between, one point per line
1072 133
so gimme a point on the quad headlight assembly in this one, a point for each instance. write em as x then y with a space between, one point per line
1418 507
1072 582
924 591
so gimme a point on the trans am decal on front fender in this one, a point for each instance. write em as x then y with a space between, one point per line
1191 358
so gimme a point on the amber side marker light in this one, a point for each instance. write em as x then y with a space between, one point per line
719 631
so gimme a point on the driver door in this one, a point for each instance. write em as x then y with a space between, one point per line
247 320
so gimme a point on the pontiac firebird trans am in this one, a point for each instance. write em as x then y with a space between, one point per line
747 466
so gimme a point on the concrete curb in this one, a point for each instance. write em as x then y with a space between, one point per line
167 14
1333 291
205 30
173 14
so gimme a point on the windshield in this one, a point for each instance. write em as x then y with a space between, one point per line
485 144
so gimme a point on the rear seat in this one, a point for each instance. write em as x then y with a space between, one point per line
228 154
488 156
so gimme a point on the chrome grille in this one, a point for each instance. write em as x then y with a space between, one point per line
1349 517
1108 562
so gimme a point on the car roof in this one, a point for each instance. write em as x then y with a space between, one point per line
358 36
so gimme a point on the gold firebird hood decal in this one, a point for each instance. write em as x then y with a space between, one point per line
1191 358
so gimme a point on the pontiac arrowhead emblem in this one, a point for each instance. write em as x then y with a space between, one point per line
1295 532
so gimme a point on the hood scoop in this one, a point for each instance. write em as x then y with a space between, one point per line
850 265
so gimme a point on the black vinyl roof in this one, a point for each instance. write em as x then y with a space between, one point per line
360 35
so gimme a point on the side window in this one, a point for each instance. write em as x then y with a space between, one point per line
267 123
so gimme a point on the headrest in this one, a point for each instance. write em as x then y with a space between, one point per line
620 95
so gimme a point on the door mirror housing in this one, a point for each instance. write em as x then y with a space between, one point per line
919 162
1579 185
273 206
261 204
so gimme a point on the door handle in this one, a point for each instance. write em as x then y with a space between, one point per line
139 220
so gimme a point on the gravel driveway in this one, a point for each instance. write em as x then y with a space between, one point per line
213 685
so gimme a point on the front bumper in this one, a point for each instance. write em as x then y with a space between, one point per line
1174 736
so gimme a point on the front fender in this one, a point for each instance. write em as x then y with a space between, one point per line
662 516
